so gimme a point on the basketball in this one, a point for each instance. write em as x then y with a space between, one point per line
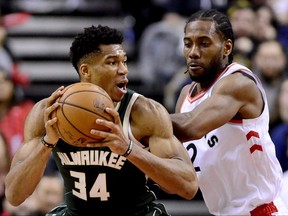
80 105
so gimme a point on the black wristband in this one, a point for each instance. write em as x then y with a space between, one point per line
47 144
129 150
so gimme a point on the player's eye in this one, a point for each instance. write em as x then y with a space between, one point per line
112 63
187 45
205 43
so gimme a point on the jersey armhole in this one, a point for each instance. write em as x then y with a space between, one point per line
255 81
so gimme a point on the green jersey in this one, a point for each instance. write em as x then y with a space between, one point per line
100 182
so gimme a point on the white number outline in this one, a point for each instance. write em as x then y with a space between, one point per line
98 190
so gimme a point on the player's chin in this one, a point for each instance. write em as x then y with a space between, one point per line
195 71
199 77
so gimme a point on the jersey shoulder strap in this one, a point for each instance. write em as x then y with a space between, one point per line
124 108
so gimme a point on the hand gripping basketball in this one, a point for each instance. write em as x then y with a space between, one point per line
80 105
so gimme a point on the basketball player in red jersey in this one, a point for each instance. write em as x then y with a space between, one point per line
222 117
108 177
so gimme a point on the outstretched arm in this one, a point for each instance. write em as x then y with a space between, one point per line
234 97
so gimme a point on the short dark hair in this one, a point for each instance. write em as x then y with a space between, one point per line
90 40
221 21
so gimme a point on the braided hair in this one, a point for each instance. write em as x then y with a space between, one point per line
222 24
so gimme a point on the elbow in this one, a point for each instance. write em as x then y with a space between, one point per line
190 187
190 192
188 136
195 135
12 199
187 190
187 133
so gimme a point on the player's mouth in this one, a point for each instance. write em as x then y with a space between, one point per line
194 67
122 86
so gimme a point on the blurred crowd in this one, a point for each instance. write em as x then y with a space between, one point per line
261 43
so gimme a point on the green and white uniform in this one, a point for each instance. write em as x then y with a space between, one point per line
100 182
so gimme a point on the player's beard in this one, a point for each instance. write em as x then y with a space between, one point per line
210 72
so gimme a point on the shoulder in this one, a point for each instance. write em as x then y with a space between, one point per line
150 115
238 87
144 105
242 92
237 76
238 83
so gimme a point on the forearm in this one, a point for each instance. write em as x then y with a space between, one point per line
184 127
179 129
24 175
175 176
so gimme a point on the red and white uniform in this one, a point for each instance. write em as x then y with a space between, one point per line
236 163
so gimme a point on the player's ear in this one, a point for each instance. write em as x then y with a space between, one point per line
84 71
228 46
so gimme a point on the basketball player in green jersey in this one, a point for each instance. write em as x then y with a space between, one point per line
108 177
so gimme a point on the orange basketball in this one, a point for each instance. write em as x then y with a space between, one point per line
80 106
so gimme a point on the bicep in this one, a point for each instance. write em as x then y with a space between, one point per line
153 123
214 112
34 124
161 139
33 131
168 147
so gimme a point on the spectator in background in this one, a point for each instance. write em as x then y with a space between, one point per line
144 12
280 8
248 20
7 59
186 7
13 109
284 192
49 193
266 23
4 166
173 87
279 134
160 53
243 20
269 63
27 208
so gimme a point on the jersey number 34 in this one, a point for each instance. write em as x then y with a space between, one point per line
98 190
